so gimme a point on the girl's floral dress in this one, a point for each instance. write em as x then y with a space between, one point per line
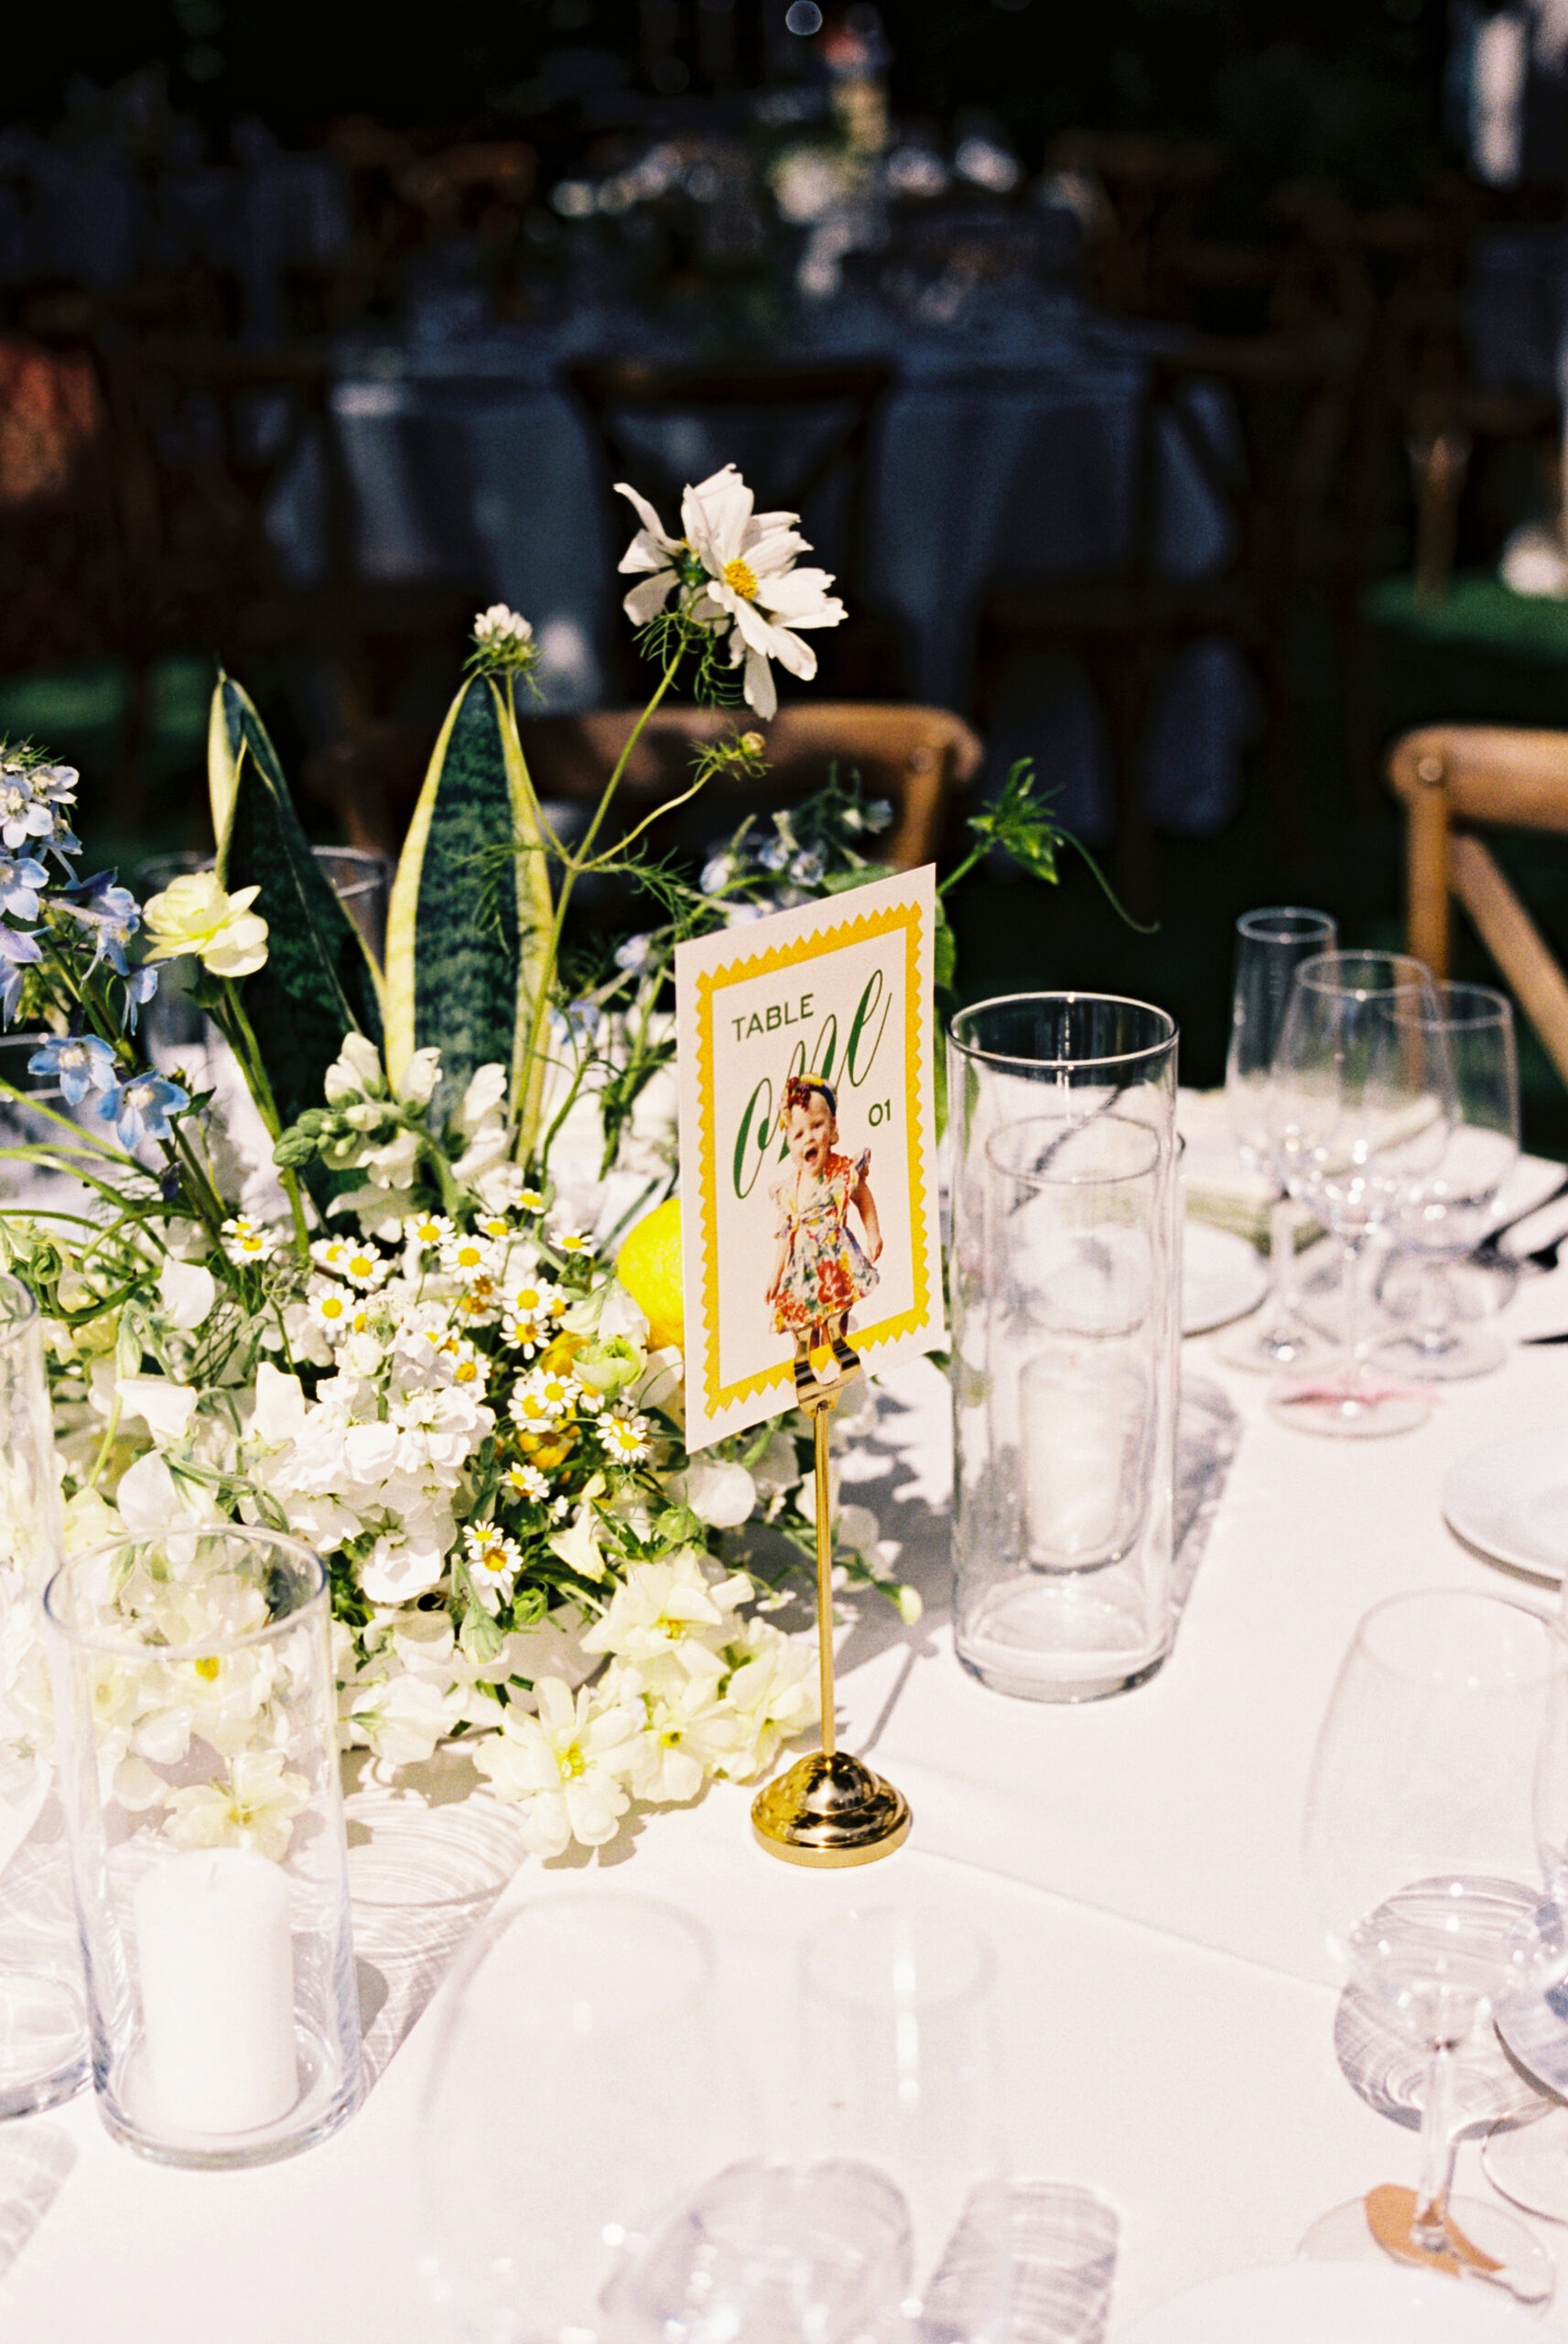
825 1271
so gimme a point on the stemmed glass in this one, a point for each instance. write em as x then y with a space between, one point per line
1447 1212
1359 1106
1270 948
1420 1855
1529 2163
583 2088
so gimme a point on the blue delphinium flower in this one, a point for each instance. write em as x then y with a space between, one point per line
78 1062
21 876
18 952
113 914
141 1108
139 989
24 814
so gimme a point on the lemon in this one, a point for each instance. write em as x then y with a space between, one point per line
649 1267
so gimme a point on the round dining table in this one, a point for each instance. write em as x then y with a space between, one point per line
1166 2004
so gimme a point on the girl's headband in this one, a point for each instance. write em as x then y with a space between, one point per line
799 1092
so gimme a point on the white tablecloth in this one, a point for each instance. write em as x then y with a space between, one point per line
1168 2009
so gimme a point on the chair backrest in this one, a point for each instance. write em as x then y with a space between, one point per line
914 757
1451 778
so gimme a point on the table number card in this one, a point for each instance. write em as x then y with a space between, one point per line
807 1147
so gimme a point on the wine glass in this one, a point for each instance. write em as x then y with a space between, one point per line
899 2064
1359 1105
1447 1212
1270 948
1529 2163
582 2089
1420 1855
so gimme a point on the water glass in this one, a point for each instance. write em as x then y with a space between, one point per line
195 1695
43 2017
1271 945
1066 1291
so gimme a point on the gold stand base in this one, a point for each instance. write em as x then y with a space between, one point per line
828 1812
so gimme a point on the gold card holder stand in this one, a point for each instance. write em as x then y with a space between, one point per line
829 1810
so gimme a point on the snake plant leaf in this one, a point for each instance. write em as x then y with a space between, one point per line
468 935
318 983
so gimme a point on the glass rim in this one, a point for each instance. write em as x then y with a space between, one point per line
1066 1124
101 1639
19 1310
487 1938
1314 921
1139 1056
836 1986
1551 1664
1307 973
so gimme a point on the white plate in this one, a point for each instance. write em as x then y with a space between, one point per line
1335 2303
1223 1277
1511 1500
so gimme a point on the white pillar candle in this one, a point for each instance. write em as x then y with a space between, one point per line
217 1971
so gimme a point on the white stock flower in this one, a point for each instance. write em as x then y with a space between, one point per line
501 628
743 562
167 1407
662 1603
187 1292
718 1493
255 1808
355 1072
567 1766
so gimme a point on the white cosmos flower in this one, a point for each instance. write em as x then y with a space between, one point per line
742 562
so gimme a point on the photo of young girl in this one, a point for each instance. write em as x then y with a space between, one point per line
820 1270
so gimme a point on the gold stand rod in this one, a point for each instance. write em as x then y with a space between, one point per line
830 1809
821 1424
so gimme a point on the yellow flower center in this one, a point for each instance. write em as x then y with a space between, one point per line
208 1669
573 1762
741 579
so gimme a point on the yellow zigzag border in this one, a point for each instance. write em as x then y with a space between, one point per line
717 1397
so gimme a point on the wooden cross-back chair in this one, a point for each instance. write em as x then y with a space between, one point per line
1454 779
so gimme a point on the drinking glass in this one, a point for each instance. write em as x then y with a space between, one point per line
582 2091
1420 1855
196 1705
1067 1290
898 2060
1270 948
1529 2163
1448 1209
1360 1105
43 2007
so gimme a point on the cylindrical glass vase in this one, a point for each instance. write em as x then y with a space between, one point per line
43 2020
199 1748
1066 1264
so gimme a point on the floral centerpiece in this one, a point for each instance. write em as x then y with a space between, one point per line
394 1327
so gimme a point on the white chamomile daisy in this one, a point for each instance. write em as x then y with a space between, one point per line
493 1225
427 1228
571 1240
494 1561
530 1200
245 1240
333 1309
467 1258
625 1437
526 1481
542 1398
